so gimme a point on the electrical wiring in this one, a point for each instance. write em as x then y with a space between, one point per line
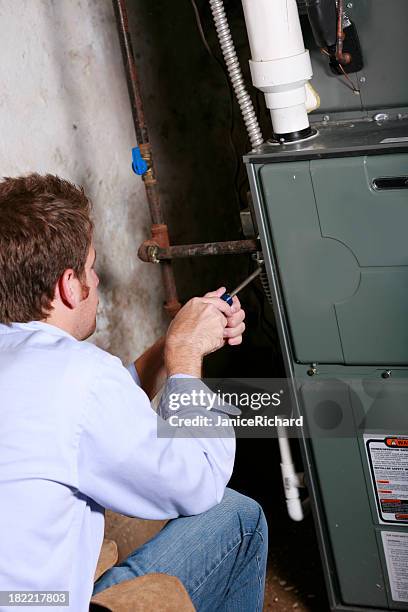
344 73
201 30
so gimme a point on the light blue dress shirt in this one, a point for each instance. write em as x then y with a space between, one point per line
77 435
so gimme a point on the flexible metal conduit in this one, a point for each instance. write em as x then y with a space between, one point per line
234 71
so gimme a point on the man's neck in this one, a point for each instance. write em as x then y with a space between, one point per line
61 324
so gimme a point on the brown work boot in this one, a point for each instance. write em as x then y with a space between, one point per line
147 593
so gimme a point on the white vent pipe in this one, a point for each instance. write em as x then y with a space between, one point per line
291 480
280 65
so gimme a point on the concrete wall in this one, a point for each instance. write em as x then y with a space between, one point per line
64 109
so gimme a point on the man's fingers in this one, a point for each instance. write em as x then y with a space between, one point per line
233 332
217 293
219 304
236 318
234 341
236 304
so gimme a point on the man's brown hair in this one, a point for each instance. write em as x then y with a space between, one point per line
45 228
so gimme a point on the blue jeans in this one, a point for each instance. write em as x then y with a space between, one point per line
219 556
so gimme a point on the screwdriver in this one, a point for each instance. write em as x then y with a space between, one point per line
227 297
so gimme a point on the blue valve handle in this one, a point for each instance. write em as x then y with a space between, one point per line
139 165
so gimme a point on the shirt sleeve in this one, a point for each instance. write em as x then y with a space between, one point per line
124 466
133 372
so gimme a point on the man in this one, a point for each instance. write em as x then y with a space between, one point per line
78 434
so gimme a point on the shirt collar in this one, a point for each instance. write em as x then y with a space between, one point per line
34 326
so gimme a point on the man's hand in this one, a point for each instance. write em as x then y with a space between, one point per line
201 327
235 325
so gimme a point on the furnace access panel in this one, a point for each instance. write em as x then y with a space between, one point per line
332 215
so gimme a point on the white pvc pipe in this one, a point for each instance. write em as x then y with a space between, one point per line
273 29
291 480
280 65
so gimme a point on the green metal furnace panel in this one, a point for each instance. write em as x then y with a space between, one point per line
342 252
346 507
341 415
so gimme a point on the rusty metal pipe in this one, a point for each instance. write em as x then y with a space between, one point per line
150 251
172 304
142 135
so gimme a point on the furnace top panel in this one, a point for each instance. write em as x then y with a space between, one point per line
339 140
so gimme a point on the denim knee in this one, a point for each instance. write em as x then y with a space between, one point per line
249 513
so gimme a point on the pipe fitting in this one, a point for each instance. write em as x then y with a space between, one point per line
280 65
152 253
146 153
147 252
160 234
149 249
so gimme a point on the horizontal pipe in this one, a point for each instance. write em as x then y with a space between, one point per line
149 251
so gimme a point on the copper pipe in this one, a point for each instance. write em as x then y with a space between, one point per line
151 251
342 58
339 36
172 304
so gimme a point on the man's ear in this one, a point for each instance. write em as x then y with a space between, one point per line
69 289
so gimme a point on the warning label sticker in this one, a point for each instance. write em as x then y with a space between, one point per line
388 461
395 545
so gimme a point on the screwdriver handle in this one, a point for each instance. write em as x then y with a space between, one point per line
227 298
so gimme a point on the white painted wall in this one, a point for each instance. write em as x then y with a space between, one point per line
64 109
